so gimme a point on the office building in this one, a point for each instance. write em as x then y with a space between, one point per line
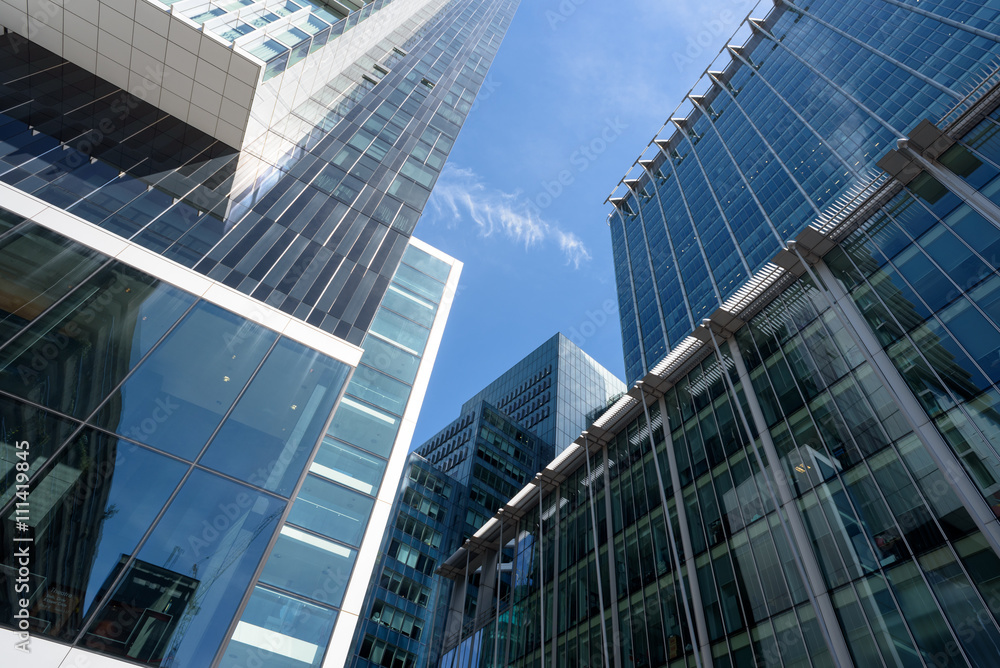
217 326
456 481
805 469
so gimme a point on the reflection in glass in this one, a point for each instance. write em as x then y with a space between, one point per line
271 433
178 396
306 564
279 631
89 509
176 600
75 355
331 510
348 466
364 426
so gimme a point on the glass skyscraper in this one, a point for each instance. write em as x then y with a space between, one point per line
216 329
805 471
455 482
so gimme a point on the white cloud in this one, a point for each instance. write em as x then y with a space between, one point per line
462 194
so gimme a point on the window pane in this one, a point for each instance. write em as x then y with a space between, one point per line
88 509
306 564
426 263
421 284
204 551
364 426
349 466
409 305
273 430
331 510
279 631
75 355
400 330
38 267
178 396
42 431
390 359
379 389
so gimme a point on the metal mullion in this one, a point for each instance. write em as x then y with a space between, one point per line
635 298
98 606
946 21
673 253
694 229
715 198
597 553
864 45
652 273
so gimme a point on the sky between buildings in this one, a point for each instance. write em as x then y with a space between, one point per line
577 91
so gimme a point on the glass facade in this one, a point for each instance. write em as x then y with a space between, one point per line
123 399
802 113
456 481
812 478
311 217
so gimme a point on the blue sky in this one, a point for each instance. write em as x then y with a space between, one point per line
577 91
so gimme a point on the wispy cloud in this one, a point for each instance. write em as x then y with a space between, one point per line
461 194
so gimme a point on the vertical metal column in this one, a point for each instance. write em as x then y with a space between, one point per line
597 551
698 626
982 204
541 572
792 525
496 627
514 574
616 633
857 327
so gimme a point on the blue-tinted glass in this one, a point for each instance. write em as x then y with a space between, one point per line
400 330
204 552
178 396
419 283
273 430
75 355
309 565
279 631
409 305
22 423
90 507
390 359
378 389
38 267
429 265
331 510
364 426
349 466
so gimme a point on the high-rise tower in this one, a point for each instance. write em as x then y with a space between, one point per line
807 470
217 329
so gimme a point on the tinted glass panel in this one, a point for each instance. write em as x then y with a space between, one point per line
279 631
88 509
75 355
364 426
426 263
400 330
306 564
421 284
331 510
204 552
177 398
349 466
409 305
390 359
273 430
379 389
37 267
42 432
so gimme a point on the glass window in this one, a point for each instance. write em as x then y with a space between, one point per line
40 431
409 305
348 466
88 510
421 284
331 510
37 268
279 631
388 358
178 396
204 552
379 389
364 426
77 353
399 330
306 564
273 430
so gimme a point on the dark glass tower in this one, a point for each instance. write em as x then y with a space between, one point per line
216 329
455 482
807 471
